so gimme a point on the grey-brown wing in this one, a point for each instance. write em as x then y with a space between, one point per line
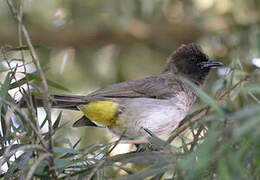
160 87
123 89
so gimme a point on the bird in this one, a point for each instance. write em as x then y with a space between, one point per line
133 110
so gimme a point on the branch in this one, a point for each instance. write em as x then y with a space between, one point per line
8 152
36 164
188 124
44 81
26 118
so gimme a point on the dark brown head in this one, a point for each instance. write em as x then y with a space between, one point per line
191 62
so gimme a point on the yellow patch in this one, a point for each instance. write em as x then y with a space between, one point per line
101 112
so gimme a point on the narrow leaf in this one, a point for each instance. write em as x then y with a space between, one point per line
35 76
157 168
65 150
57 122
26 47
57 86
3 93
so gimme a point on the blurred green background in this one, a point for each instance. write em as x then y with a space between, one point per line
90 44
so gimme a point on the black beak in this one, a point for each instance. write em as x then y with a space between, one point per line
211 64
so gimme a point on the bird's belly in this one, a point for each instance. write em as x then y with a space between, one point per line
159 116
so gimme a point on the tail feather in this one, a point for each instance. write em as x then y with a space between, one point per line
58 101
84 121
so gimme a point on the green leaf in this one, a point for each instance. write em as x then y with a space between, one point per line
5 87
40 171
57 86
20 163
57 122
141 157
26 47
248 127
157 168
22 81
3 93
127 170
35 76
65 150
223 170
44 122
245 112
161 144
252 89
65 141
61 163
195 163
15 146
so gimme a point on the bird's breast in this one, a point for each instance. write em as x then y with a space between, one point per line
159 116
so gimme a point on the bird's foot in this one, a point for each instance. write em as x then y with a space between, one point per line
146 147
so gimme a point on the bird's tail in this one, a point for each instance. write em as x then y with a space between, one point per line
57 101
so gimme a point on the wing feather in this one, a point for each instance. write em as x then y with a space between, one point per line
161 87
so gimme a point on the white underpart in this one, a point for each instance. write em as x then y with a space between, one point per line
161 117
163 120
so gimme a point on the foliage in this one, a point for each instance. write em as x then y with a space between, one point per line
219 140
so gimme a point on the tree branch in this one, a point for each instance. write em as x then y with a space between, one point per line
44 82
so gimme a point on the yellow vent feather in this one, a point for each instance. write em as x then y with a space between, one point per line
101 112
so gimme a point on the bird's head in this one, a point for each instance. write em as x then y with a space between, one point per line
190 61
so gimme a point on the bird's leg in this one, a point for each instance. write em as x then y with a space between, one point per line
145 147
139 148
149 132
142 147
150 146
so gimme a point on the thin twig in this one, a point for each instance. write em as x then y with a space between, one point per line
196 138
13 76
232 88
30 103
26 118
8 152
46 95
36 164
10 69
187 124
253 97
5 154
93 172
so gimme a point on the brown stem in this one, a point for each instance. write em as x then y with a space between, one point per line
46 95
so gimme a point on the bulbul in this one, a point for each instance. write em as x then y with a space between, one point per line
156 103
